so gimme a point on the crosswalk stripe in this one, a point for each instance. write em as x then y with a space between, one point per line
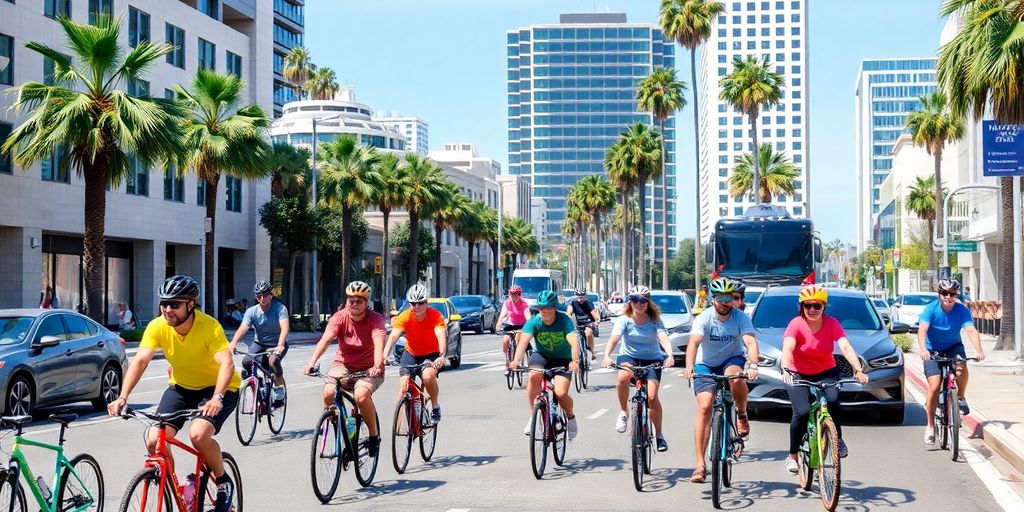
597 414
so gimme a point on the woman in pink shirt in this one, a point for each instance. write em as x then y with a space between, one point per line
807 349
514 314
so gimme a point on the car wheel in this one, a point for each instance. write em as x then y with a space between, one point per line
110 388
20 399
494 325
480 327
456 360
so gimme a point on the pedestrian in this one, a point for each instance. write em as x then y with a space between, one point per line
49 300
966 295
125 318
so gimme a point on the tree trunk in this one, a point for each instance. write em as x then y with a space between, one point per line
697 255
664 211
414 246
469 270
292 256
346 243
210 307
757 158
385 286
931 254
939 213
597 256
642 264
1006 329
437 260
623 243
497 285
93 243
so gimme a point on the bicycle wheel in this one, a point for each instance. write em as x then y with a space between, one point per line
428 431
941 420
276 414
539 439
325 457
829 473
804 469
715 454
585 373
730 441
247 413
402 435
636 444
81 485
206 493
560 436
12 495
142 494
953 424
577 379
366 464
510 376
519 378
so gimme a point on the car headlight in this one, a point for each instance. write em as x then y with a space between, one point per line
890 361
680 329
763 360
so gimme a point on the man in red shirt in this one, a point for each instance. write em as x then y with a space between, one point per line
360 334
425 340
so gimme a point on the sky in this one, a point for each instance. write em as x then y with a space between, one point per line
444 61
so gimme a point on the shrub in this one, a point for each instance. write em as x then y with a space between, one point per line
904 341
132 334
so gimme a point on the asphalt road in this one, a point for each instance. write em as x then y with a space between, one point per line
482 458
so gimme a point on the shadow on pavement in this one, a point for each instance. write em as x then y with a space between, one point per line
400 487
588 465
913 415
762 456
665 478
288 435
853 496
454 461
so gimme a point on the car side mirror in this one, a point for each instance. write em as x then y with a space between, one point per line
455 318
899 328
895 304
46 342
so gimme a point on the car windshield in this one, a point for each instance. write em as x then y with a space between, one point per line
670 304
853 313
13 329
466 301
880 303
779 253
593 298
532 286
751 297
919 300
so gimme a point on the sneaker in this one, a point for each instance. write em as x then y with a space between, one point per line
225 494
698 475
843 450
964 408
373 446
742 425
620 424
278 395
791 465
662 445
929 435
573 428
435 415
529 427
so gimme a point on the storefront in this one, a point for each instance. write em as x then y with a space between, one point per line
61 268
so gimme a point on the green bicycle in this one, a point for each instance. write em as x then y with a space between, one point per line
819 449
79 481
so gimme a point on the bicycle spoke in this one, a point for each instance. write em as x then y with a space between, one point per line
539 439
81 485
401 437
325 457
366 464
829 469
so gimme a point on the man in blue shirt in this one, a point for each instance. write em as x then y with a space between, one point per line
939 333
269 319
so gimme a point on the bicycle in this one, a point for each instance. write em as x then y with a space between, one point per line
79 481
255 400
156 487
641 428
581 378
513 377
819 448
725 446
412 421
947 415
549 426
341 436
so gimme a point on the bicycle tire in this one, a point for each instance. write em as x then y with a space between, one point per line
401 436
247 413
637 445
12 494
141 494
428 431
715 454
830 468
730 442
76 491
519 378
559 437
366 466
804 470
277 414
510 375
953 425
539 439
577 379
941 421
325 457
207 497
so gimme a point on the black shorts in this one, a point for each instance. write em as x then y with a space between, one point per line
177 398
409 360
537 360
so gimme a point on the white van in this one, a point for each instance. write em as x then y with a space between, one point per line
535 280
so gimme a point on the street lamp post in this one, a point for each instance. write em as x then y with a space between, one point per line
313 176
458 259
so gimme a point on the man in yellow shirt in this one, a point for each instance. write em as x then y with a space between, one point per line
203 378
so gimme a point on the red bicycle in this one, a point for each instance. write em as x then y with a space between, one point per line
412 421
157 488
550 426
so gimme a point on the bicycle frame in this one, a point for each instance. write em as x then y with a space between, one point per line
30 479
164 464
546 396
414 393
342 433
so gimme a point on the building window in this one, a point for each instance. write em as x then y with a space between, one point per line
48 68
210 8
174 185
234 64
138 178
201 192
207 55
175 37
55 167
138 88
233 200
138 27
5 159
100 8
7 50
56 8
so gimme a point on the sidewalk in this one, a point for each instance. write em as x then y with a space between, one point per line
995 394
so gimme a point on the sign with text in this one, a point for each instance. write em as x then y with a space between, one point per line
962 246
1003 147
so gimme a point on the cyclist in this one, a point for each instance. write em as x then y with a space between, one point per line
587 318
644 342
269 320
516 311
939 331
360 334
739 297
722 339
807 348
557 345
204 375
425 340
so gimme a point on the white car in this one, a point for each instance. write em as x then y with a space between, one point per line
909 306
616 304
676 313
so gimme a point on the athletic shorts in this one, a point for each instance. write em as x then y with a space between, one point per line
177 398
706 385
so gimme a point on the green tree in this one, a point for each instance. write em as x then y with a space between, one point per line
291 222
426 182
392 193
639 149
478 215
446 213
751 86
921 202
681 267
289 166
624 178
778 174
400 240
331 246
322 84
221 138
298 67
596 195
102 130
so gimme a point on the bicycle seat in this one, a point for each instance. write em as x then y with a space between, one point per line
17 421
64 418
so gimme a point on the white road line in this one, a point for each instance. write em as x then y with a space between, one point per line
598 414
666 386
458 510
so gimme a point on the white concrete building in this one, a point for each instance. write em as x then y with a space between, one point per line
776 30
415 129
342 115
155 221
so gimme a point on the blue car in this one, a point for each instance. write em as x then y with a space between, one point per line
478 313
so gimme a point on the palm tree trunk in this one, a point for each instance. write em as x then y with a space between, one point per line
346 245
757 159
939 213
697 255
664 211
642 264
93 243
210 306
597 257
437 260
1006 329
623 242
931 253
469 271
384 256
292 256
496 282
414 246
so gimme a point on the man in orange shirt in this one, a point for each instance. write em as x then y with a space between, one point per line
425 340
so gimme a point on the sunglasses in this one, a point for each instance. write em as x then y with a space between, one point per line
813 306
171 304
417 303
638 300
261 295
948 293
724 299
356 301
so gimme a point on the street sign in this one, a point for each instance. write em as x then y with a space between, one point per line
963 246
500 274
1003 147
377 264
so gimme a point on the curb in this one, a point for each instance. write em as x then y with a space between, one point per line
978 426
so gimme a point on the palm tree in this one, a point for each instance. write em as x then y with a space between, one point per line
392 193
751 86
470 228
101 129
921 201
777 176
349 178
445 212
641 150
520 237
322 84
425 183
661 93
689 23
625 179
289 166
932 127
298 66
596 195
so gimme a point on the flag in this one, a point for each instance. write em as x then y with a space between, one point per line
808 280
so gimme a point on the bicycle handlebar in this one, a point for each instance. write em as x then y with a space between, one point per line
718 377
353 375
943 359
637 369
255 354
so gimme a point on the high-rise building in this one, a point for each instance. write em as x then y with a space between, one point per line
887 91
776 30
415 130
289 29
571 92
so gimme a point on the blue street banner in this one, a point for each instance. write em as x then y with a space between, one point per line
1003 147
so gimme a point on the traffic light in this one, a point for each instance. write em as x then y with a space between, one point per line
377 264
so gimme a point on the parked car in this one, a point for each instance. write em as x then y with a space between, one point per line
451 320
883 309
51 357
477 311
881 359
677 315
909 306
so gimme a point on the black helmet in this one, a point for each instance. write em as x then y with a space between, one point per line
179 287
262 287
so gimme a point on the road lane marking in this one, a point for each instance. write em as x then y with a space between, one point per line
666 386
598 414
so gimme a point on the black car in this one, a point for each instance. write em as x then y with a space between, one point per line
478 313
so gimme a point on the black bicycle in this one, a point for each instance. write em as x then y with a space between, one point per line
640 426
726 445
255 399
514 377
947 413
582 377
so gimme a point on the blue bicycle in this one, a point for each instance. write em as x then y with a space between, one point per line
725 446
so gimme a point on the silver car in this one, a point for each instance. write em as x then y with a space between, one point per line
50 357
881 358
676 313
883 309
909 306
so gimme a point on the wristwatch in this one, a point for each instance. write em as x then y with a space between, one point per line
219 397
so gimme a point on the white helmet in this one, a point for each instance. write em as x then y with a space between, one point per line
417 293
